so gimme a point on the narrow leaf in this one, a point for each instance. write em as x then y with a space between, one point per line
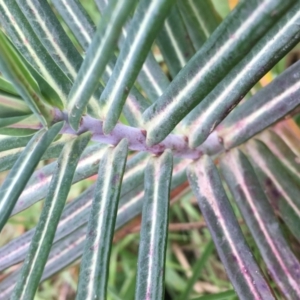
261 220
38 185
279 184
268 51
9 142
151 77
84 29
145 24
12 106
62 254
200 19
228 45
281 151
174 42
50 76
40 246
226 233
19 175
154 228
76 213
97 56
8 158
77 20
95 261
14 69
7 87
65 254
266 107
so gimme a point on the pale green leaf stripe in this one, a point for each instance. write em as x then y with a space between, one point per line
232 40
192 25
7 87
99 53
52 35
83 28
77 20
200 19
127 210
266 107
154 228
281 188
40 246
260 218
8 158
144 26
19 175
11 106
229 240
4 122
62 254
76 212
38 185
14 69
227 94
174 42
18 29
10 142
94 266
281 150
151 77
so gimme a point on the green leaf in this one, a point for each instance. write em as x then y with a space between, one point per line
62 254
76 212
83 28
281 150
8 158
14 69
40 246
200 19
95 261
53 80
77 20
97 56
228 45
7 87
9 142
226 233
266 107
51 34
151 77
145 24
12 106
279 185
154 228
55 40
19 175
38 185
75 216
227 94
174 42
261 221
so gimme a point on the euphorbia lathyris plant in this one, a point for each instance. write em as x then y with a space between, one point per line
86 97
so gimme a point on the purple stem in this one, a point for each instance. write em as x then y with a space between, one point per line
137 138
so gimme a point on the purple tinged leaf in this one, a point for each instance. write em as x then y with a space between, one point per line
233 250
261 220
